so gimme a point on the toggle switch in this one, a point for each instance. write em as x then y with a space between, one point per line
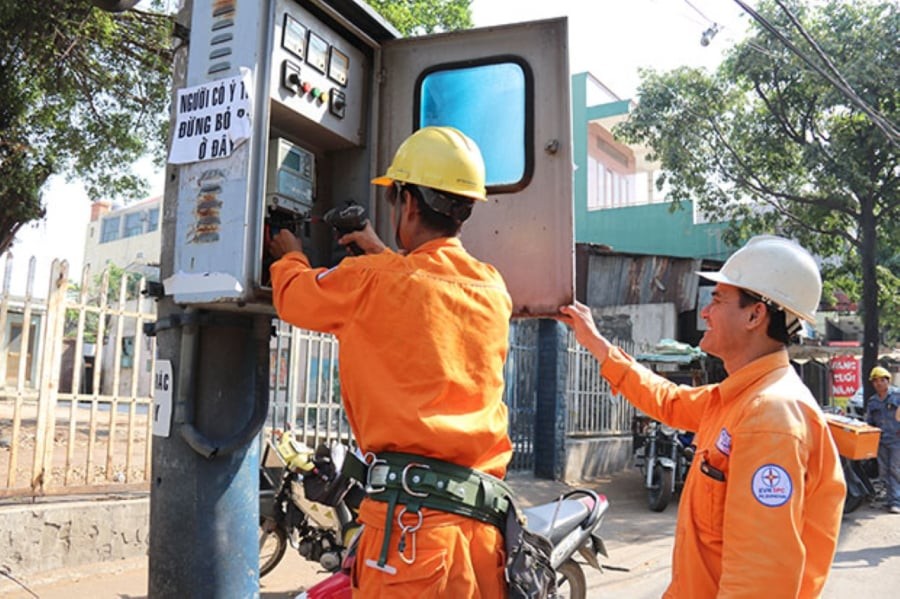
338 103
290 76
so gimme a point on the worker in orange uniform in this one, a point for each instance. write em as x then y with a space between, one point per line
423 338
761 509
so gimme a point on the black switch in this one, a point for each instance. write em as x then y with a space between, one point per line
290 76
337 103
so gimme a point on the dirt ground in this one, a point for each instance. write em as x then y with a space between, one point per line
70 465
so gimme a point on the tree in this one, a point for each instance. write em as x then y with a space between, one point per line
83 93
102 291
769 145
420 17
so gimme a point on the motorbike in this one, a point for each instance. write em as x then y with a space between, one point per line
664 456
861 486
860 475
304 502
571 524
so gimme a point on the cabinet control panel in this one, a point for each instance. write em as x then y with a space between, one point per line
318 79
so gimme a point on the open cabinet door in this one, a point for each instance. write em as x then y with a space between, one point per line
507 88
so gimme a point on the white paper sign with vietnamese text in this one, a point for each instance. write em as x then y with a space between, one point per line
212 119
162 399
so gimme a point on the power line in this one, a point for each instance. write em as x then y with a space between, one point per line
698 11
667 5
838 82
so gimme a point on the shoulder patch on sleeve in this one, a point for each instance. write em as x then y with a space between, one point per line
771 485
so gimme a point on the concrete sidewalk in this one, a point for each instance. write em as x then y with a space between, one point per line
128 578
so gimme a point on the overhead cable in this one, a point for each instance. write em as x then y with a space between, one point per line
838 82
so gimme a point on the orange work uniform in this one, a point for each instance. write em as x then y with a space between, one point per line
423 339
761 508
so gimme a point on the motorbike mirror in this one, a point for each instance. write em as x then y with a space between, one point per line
666 430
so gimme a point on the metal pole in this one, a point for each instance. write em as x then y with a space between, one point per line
204 496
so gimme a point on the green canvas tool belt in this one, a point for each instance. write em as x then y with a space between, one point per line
415 482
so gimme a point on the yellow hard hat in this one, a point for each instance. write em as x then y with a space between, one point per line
879 373
442 158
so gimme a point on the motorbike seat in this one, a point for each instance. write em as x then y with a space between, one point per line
540 518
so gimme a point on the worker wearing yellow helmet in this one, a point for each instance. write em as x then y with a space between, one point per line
761 509
423 338
882 411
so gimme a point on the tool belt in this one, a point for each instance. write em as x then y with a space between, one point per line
416 482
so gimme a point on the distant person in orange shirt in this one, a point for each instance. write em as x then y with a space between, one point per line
761 509
423 338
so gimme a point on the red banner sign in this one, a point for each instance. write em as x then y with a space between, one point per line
845 379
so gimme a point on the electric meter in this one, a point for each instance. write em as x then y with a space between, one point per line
290 183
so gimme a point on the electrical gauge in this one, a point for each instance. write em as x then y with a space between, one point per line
317 52
294 36
338 66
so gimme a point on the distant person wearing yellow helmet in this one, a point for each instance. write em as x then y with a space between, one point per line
882 411
761 509
423 338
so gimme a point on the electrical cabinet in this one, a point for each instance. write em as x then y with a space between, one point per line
292 107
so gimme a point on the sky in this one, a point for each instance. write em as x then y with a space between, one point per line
611 39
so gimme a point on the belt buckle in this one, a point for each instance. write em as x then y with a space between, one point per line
405 485
373 461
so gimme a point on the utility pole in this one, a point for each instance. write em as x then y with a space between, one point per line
204 496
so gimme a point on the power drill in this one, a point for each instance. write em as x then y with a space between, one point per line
346 219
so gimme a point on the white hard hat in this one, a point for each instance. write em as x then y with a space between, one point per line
779 270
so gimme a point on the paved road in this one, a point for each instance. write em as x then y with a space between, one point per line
867 561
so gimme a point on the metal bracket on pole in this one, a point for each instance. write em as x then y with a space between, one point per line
190 322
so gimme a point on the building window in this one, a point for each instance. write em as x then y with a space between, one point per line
110 230
491 103
153 220
134 224
596 172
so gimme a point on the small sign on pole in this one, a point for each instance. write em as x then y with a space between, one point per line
162 398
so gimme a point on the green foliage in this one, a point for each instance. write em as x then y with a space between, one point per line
83 93
106 284
771 146
421 17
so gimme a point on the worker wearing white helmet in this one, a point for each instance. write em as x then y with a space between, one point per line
761 508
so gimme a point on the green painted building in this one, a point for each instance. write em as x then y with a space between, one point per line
616 203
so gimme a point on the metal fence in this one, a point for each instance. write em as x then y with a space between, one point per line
305 389
592 409
76 372
520 394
